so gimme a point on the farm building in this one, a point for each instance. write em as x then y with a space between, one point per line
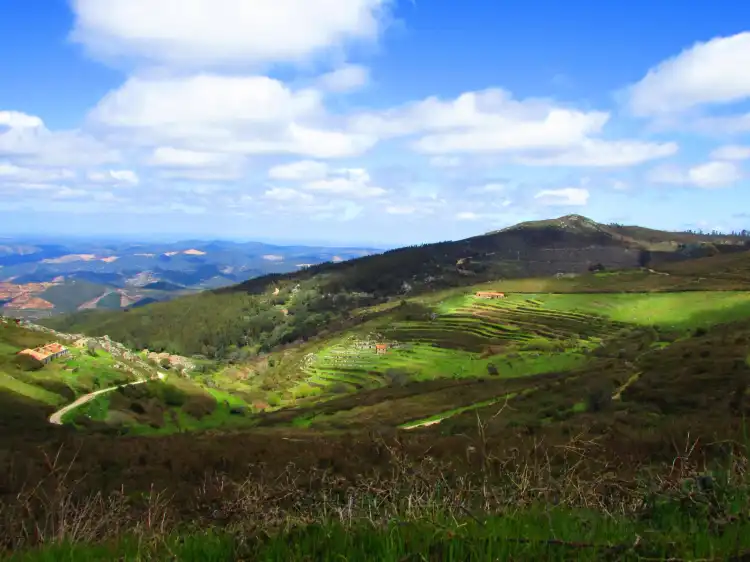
381 348
46 353
490 295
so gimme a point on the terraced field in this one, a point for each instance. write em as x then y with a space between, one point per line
472 324
464 337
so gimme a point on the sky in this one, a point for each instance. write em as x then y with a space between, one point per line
380 122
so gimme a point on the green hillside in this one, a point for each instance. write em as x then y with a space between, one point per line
609 404
229 323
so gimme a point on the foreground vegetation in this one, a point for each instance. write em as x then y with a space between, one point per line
552 505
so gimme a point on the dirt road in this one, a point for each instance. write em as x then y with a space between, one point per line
56 418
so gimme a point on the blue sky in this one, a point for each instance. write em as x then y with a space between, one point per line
370 121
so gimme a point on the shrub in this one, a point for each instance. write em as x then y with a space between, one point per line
396 377
199 405
598 400
492 369
137 407
172 396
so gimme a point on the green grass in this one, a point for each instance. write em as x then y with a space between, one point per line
34 392
675 310
533 534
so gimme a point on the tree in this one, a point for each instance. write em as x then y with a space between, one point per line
492 369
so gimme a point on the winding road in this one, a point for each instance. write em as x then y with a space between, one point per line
56 418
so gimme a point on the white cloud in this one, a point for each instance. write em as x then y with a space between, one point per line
619 185
196 33
322 178
10 173
345 79
18 120
352 182
69 193
536 132
115 177
725 125
301 170
400 210
25 138
712 72
169 157
609 154
709 175
341 210
467 216
568 196
445 161
287 194
493 187
227 114
731 152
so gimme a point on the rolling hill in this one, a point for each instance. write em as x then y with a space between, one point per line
589 383
75 275
248 318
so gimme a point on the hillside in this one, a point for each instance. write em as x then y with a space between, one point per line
612 388
248 318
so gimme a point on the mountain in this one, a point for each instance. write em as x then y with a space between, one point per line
138 271
249 317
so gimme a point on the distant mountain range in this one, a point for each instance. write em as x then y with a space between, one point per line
40 279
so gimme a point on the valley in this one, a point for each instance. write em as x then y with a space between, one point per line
500 392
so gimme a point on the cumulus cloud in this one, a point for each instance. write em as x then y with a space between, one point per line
709 175
568 196
10 173
535 132
301 170
605 154
711 72
320 177
400 210
345 79
352 182
27 140
114 177
197 33
228 114
287 194
169 157
731 152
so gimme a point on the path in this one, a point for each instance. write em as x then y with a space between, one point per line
56 418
